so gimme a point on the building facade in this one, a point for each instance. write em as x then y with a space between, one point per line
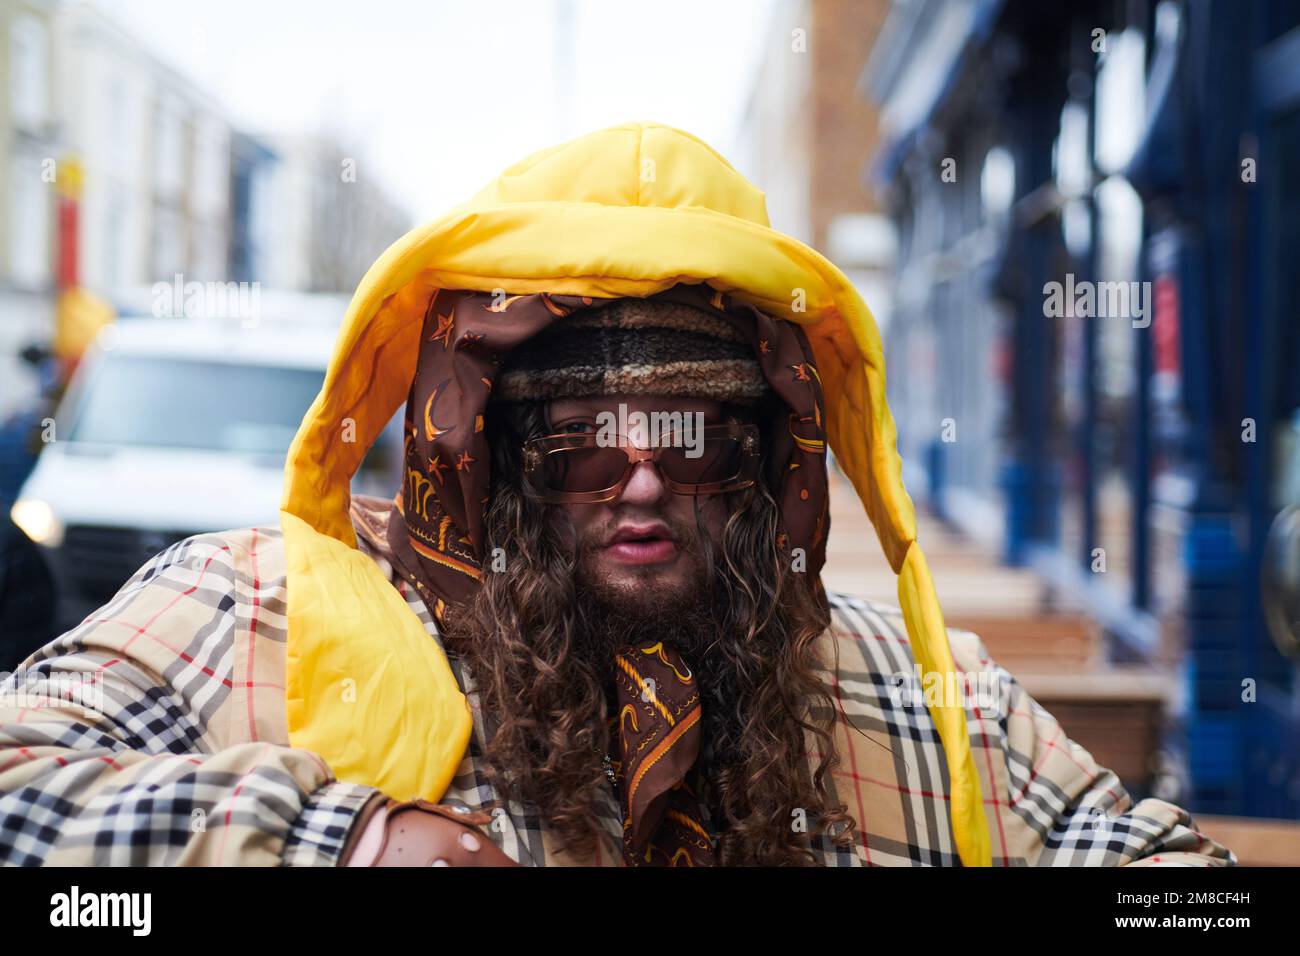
1096 322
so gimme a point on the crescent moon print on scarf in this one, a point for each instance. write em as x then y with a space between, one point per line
466 337
431 431
436 528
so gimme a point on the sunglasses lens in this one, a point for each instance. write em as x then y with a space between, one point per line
583 469
715 461
711 461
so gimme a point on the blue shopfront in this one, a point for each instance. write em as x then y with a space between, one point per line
1137 455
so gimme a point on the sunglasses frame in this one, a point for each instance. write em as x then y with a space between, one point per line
536 451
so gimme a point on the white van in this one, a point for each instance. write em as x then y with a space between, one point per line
171 427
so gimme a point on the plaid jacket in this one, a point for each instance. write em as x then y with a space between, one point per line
154 733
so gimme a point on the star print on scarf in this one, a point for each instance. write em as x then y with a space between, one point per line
655 727
436 525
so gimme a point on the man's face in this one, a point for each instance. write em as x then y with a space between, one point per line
639 550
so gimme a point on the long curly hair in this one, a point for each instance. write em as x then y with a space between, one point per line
526 639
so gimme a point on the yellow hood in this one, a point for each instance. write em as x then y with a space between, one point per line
626 211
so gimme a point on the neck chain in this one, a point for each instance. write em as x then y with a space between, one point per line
607 765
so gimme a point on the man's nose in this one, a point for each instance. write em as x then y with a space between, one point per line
646 486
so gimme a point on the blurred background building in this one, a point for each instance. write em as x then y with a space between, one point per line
1098 486
1102 474
1135 460
171 183
121 175
805 130
28 135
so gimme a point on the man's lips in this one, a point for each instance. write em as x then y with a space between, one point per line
642 544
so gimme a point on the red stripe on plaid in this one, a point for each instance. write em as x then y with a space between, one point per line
22 752
252 636
1047 751
894 785
179 652
144 629
225 830
320 762
993 782
843 720
854 635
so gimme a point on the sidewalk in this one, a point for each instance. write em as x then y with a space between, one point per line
1057 655
1115 713
971 583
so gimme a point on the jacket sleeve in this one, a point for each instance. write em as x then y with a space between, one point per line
131 739
1055 806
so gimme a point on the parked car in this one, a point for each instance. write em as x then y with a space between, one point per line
172 427
27 603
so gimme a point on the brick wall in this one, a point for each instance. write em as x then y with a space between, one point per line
843 122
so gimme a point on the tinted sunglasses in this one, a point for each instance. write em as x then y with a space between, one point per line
574 468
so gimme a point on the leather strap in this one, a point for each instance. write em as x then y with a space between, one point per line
470 819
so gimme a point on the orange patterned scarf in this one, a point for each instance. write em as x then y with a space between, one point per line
656 723
436 526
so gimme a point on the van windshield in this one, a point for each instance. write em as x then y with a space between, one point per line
182 403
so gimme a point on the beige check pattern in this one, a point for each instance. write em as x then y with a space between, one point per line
154 733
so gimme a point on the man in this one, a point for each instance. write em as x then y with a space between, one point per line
589 628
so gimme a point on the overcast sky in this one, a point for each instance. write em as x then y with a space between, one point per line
437 97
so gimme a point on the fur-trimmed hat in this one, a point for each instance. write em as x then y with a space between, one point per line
634 346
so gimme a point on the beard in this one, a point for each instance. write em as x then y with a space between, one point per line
611 616
539 639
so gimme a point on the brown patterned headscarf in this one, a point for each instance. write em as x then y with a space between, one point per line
436 528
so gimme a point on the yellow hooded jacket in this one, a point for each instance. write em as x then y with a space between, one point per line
625 211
